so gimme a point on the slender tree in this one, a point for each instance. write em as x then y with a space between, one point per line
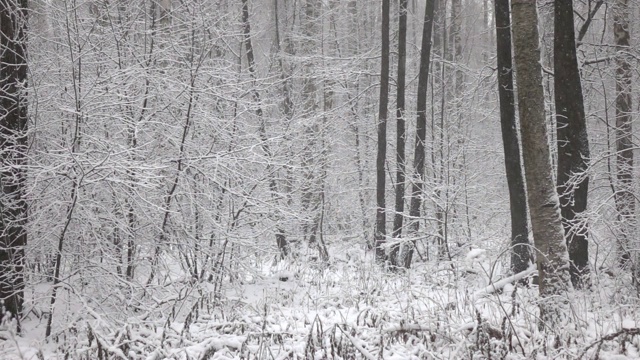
381 230
400 129
552 258
13 146
572 139
624 198
421 127
281 239
520 250
441 50
311 22
353 46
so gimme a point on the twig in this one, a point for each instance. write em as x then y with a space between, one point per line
367 355
624 331
406 327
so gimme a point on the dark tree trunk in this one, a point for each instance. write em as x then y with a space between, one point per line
421 127
520 251
400 130
381 231
573 143
440 47
13 146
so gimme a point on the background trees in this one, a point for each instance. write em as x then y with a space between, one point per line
625 200
180 150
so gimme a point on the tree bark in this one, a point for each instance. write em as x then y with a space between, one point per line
421 128
520 251
381 231
400 131
548 234
573 142
13 146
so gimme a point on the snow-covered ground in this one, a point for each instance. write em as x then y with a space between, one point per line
349 309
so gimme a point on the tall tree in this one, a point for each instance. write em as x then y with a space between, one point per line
520 251
440 49
421 127
312 189
572 139
400 129
281 239
624 198
13 146
459 178
353 46
544 207
381 230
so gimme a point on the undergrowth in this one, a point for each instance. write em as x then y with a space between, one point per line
347 309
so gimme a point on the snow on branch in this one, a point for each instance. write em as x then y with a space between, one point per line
358 345
623 331
491 288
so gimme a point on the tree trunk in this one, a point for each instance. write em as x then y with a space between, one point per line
381 230
520 251
625 201
13 146
544 207
440 48
400 131
458 157
421 128
353 90
573 142
456 44
313 180
281 239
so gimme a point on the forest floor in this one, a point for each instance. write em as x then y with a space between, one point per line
348 309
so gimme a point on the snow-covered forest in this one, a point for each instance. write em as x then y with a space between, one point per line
307 179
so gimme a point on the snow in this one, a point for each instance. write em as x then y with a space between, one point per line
475 254
354 310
